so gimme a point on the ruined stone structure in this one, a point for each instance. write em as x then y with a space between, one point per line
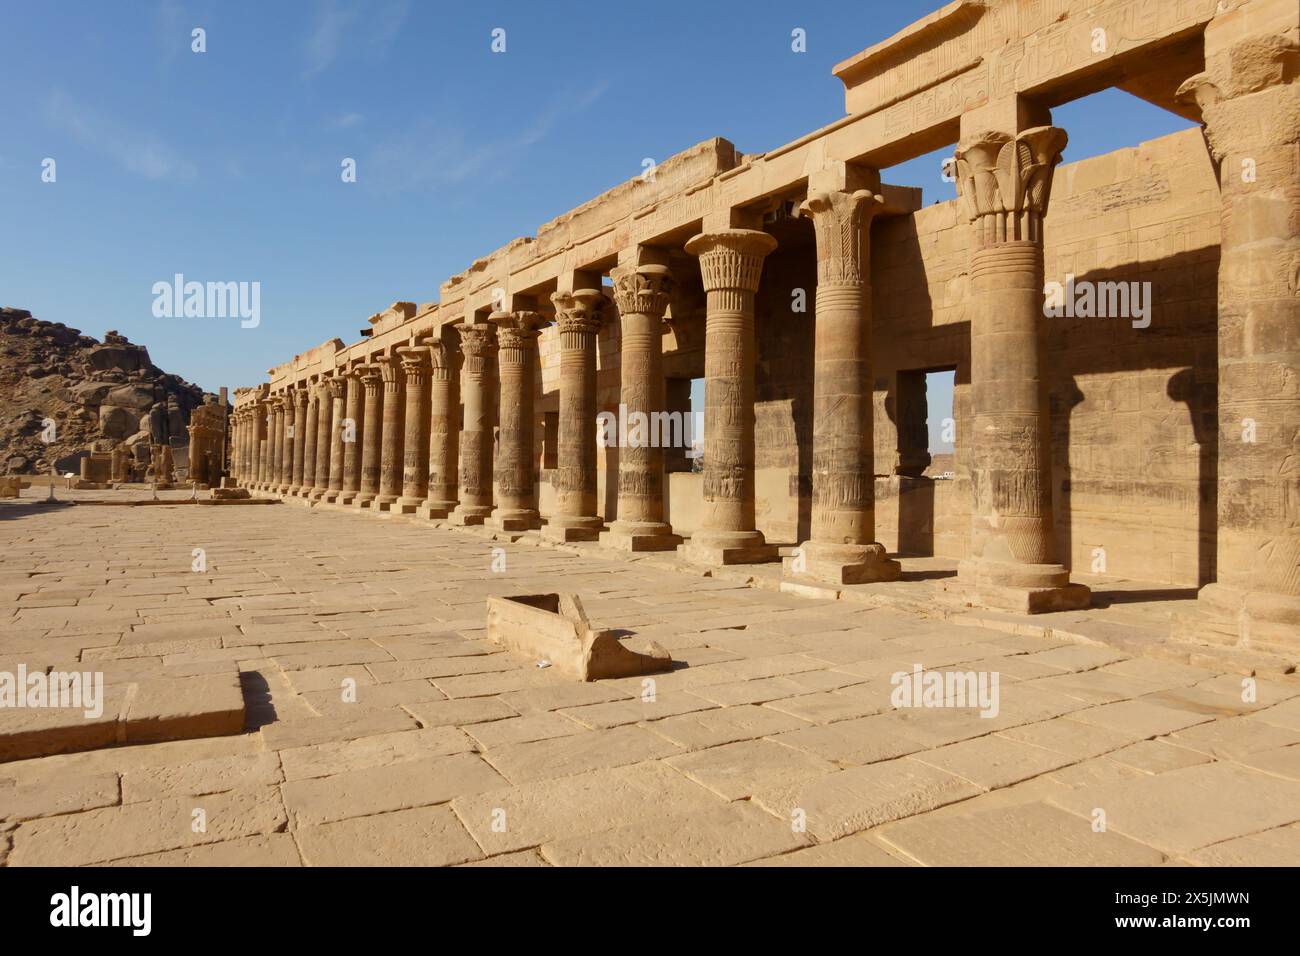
207 432
1168 447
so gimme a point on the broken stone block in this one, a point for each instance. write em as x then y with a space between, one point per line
554 628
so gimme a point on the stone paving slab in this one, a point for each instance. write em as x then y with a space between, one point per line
379 727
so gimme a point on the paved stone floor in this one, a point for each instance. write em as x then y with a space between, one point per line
775 742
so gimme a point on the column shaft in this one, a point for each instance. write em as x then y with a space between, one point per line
479 345
324 421
390 452
338 386
371 434
1012 561
300 438
731 263
574 479
842 548
516 462
415 438
353 435
642 296
444 431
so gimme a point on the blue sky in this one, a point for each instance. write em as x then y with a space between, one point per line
225 165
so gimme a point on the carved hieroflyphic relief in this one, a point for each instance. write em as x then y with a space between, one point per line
1005 181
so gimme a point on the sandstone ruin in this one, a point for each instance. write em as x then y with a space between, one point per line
1073 434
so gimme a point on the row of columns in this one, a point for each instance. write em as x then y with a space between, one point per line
1004 178
382 435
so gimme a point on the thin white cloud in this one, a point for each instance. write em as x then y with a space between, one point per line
341 27
344 121
137 151
429 155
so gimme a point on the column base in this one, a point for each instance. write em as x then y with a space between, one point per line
346 497
469 516
385 502
516 519
316 494
842 563
718 548
431 509
565 529
640 536
1257 620
331 495
406 505
1020 588
363 500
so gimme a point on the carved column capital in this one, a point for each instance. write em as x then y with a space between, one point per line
337 385
390 370
370 376
838 219
478 343
300 398
415 363
442 360
578 311
1005 181
518 330
642 290
731 260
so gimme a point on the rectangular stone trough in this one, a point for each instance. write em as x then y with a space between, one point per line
554 628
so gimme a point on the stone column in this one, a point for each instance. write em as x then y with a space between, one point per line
731 262
478 342
309 443
842 548
1005 182
354 428
300 401
517 334
338 386
577 314
1249 96
261 454
245 451
372 380
278 404
444 431
415 438
642 294
324 427
390 448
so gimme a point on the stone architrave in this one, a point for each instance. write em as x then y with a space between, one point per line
444 431
842 548
731 262
337 384
578 317
1249 97
642 294
478 343
1005 182
516 466
392 433
372 381
415 440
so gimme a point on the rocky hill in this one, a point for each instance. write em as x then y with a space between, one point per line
62 392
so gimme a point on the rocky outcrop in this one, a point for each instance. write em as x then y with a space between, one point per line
65 392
